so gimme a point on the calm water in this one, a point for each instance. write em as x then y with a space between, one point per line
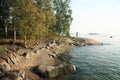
101 62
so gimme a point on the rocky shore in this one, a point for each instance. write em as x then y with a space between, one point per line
39 60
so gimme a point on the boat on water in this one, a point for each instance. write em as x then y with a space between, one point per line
111 36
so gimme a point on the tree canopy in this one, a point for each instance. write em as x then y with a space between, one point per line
34 19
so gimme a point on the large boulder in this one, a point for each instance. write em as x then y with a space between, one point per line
54 71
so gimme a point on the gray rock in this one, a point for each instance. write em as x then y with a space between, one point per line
51 47
42 48
52 55
71 44
21 73
4 65
31 48
36 51
37 43
54 71
83 44
47 47
26 54
13 59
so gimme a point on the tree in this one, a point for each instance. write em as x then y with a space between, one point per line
14 6
4 16
63 15
28 19
50 20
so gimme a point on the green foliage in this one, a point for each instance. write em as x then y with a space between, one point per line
34 19
50 20
63 16
2 48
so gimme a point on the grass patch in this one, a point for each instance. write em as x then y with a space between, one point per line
2 48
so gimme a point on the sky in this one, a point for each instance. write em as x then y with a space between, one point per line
95 16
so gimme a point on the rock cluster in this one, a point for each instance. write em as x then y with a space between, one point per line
8 59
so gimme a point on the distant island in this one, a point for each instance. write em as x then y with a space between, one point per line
93 34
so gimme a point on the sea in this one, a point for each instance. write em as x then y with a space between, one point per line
96 62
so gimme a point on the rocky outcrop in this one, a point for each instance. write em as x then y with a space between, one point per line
8 59
90 41
83 42
4 65
79 41
54 71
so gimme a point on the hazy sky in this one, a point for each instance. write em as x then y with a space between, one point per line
101 16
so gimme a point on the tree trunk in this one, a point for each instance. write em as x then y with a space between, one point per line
25 40
14 32
6 29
